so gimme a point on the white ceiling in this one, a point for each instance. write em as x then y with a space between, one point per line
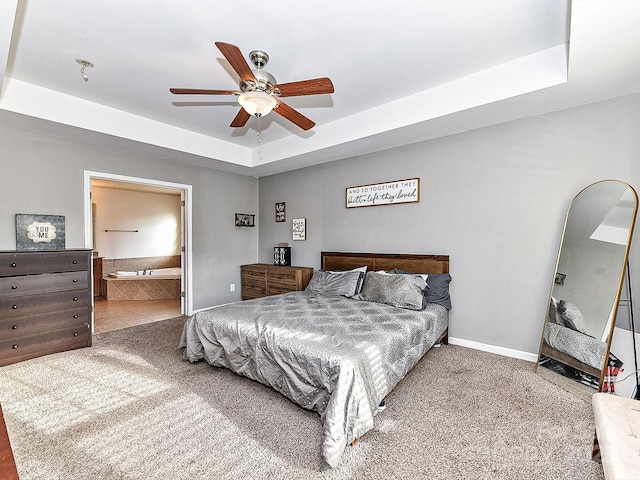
404 71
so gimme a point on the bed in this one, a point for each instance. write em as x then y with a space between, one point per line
338 347
565 339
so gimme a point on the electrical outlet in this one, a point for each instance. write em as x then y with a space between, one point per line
232 287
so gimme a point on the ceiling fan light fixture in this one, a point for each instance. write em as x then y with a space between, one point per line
257 103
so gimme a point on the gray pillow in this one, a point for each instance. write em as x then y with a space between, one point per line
404 291
437 290
335 283
553 313
572 316
362 270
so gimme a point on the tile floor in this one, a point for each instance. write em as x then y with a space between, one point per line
116 314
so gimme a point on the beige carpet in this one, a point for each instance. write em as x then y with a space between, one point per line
130 408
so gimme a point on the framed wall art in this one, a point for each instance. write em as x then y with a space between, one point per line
280 212
245 220
299 228
39 232
388 193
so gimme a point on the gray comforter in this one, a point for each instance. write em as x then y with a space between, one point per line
582 347
337 356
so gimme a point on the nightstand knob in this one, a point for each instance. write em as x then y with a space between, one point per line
14 287
14 346
75 316
13 265
75 262
14 327
75 299
75 334
75 280
15 307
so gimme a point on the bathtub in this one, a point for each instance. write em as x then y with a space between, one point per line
155 273
157 284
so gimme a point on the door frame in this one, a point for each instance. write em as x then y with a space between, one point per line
186 300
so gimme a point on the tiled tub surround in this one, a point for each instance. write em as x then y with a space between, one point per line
140 287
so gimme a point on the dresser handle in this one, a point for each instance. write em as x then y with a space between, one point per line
14 327
15 346
13 265
14 287
75 299
15 307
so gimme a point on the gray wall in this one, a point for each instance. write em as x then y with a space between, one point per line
494 199
45 175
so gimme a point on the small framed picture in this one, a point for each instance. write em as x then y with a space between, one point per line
280 212
245 220
299 228
39 232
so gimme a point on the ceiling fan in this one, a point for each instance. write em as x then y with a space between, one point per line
259 92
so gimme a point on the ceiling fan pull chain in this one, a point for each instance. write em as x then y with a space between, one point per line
259 121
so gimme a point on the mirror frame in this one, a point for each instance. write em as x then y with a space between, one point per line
614 311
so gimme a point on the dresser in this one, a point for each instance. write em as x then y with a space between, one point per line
263 279
45 303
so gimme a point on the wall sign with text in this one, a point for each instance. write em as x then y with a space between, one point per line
388 193
39 232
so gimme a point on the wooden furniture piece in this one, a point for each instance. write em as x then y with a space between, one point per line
263 279
45 303
8 469
414 263
616 443
97 276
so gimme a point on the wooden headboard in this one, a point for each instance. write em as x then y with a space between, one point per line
385 261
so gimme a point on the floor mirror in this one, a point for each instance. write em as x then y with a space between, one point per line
586 286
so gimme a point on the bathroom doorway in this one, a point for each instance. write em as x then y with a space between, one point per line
139 231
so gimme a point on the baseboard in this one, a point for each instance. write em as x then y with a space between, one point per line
505 352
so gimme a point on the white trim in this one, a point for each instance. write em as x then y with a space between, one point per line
187 267
505 352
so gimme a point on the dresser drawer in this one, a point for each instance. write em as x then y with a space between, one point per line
25 263
279 289
255 275
282 279
12 307
21 326
48 342
43 283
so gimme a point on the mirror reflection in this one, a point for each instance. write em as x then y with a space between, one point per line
586 286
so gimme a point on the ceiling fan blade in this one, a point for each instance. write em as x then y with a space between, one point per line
294 116
236 59
316 86
197 91
241 118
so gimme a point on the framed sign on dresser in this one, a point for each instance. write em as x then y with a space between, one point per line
45 303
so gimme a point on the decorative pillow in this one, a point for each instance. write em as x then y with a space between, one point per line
404 291
437 290
335 283
572 316
362 270
553 314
